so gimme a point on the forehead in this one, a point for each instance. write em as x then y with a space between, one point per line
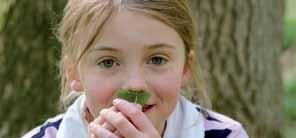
133 29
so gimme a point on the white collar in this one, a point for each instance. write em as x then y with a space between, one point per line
184 122
72 125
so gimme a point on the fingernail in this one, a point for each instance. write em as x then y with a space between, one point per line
103 111
116 101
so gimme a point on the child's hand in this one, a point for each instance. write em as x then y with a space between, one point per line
102 123
129 122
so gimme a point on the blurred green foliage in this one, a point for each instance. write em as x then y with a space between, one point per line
290 24
290 108
290 100
289 33
290 84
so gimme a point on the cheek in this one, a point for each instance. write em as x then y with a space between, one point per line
168 85
167 88
99 93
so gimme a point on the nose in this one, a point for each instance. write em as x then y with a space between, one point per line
135 81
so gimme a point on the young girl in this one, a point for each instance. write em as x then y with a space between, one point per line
139 45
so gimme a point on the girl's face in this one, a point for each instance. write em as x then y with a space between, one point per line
136 52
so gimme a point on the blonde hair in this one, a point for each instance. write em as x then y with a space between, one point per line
87 17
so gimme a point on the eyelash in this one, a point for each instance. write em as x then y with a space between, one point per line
101 63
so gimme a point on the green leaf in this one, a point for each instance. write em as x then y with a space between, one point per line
140 97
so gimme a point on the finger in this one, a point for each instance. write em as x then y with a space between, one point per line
98 131
99 120
113 108
118 134
125 127
105 124
108 126
138 118
90 134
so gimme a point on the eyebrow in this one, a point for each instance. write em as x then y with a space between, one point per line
105 48
161 45
149 47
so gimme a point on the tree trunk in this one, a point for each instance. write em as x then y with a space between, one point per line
28 57
240 43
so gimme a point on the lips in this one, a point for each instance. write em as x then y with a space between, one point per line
147 107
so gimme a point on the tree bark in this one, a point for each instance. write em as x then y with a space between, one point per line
240 43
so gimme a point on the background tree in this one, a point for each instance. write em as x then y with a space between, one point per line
28 58
240 45
241 41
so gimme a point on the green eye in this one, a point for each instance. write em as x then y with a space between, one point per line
134 97
108 63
